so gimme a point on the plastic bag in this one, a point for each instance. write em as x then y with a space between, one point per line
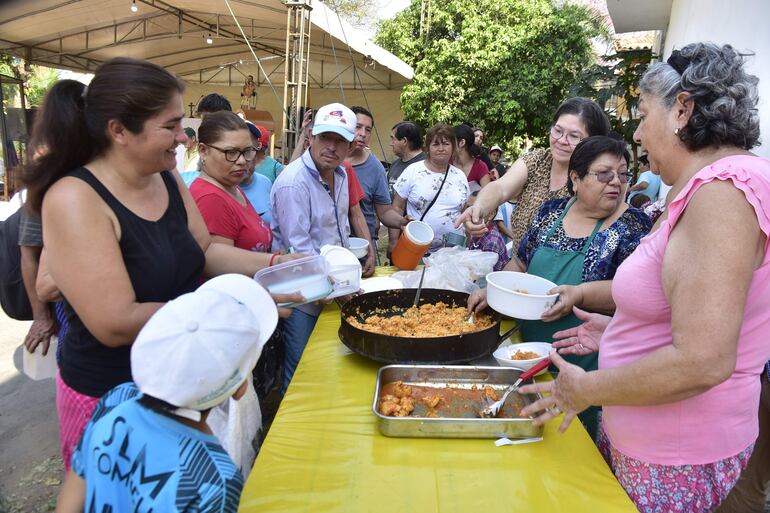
236 424
453 268
36 366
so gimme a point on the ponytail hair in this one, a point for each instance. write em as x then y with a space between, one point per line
71 128
59 140
465 133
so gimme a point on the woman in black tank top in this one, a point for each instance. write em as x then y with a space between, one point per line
122 234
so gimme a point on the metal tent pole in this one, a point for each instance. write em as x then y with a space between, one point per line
295 70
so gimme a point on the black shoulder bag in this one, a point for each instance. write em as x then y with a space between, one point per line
437 194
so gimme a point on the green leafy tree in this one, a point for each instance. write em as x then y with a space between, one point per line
9 66
38 82
37 79
504 65
614 85
356 12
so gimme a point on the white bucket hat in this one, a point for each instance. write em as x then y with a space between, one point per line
198 349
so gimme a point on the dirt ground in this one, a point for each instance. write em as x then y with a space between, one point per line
30 466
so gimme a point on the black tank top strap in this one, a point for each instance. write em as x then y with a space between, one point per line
175 200
174 196
88 177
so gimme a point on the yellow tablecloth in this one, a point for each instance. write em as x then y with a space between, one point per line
324 454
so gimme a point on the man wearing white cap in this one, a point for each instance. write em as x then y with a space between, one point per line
495 154
309 204
147 446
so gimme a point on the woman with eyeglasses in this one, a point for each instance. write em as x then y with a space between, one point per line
539 175
580 239
226 155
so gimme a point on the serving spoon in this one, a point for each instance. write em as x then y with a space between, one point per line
493 409
419 288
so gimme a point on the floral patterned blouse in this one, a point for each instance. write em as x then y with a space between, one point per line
607 251
536 191
418 186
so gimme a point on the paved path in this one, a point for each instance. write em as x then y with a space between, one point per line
31 471
30 466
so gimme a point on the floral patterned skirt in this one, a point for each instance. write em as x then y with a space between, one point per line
674 488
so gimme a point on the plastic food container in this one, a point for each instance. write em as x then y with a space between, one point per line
452 239
519 295
308 276
413 243
359 247
36 366
344 270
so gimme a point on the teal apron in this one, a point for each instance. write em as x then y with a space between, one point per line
562 268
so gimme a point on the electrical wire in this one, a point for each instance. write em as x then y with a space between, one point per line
355 74
334 52
253 53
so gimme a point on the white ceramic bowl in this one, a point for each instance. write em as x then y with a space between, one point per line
503 294
504 355
359 247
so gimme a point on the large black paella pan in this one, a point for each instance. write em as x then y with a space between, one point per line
392 349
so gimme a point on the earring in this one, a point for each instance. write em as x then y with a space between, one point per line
676 131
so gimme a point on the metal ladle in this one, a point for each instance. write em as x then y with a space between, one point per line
419 288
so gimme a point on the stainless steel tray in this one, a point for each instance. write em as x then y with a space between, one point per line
459 376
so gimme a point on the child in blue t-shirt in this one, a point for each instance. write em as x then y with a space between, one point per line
147 446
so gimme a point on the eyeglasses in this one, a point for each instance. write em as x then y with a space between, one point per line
233 155
607 176
572 138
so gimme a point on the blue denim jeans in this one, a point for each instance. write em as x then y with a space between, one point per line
296 332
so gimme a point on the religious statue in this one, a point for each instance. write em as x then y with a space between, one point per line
249 94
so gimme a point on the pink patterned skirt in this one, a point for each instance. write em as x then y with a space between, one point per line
74 410
674 488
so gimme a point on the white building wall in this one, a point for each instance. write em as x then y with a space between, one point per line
740 23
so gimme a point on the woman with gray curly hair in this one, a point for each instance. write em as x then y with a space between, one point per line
680 360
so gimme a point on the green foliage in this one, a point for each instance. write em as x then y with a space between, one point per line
37 80
504 65
613 84
356 12
8 66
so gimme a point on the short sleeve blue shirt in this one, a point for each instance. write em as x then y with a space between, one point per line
374 182
135 459
653 186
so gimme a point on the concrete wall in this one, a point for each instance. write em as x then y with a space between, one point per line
384 104
742 24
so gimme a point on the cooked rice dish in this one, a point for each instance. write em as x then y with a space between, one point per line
524 355
428 320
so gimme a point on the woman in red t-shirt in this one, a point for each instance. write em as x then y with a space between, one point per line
225 155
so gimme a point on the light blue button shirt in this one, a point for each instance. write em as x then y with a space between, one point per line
307 214
653 185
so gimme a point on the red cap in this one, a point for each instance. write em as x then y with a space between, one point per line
265 138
